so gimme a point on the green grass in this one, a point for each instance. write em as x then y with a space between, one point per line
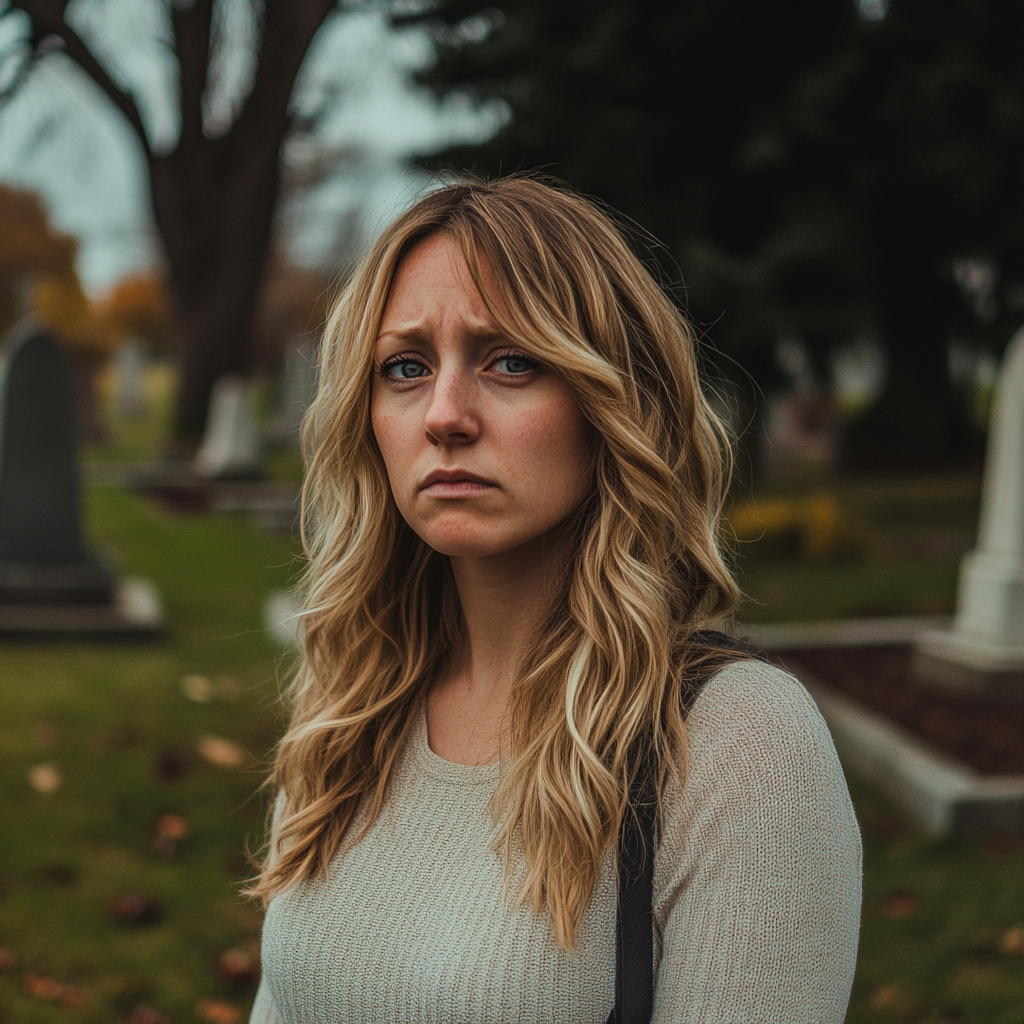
898 550
143 437
898 547
943 962
102 713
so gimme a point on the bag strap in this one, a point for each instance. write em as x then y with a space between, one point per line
634 919
634 925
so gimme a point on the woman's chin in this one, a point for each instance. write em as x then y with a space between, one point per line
469 549
471 543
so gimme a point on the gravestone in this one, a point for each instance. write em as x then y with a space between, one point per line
231 444
297 385
49 581
129 382
42 560
984 651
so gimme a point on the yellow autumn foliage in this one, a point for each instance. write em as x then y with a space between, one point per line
813 527
61 305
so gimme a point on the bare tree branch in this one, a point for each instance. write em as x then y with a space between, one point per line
192 27
48 20
288 29
23 51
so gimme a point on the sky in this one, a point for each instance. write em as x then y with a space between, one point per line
61 136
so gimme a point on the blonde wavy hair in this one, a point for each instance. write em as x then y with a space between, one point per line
605 686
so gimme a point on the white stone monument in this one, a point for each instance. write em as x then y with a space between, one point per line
984 652
129 380
231 444
297 386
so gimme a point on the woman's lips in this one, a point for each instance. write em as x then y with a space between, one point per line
457 488
454 484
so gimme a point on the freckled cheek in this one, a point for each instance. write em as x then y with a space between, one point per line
396 439
549 450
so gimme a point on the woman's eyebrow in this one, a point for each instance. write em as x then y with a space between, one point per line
404 332
480 333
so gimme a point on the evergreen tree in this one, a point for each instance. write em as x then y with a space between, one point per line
817 169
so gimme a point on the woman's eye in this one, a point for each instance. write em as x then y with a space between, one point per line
515 365
408 369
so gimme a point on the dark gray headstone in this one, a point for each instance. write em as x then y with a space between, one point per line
42 558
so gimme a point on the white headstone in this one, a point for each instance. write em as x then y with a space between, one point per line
231 445
296 391
988 633
129 382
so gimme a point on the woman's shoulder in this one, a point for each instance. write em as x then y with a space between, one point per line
751 698
761 765
754 727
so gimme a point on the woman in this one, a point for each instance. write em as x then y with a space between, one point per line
511 512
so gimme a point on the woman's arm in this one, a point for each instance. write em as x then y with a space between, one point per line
757 880
263 1009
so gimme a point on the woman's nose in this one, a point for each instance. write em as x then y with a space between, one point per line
451 417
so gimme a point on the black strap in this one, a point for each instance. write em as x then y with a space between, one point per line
634 923
634 919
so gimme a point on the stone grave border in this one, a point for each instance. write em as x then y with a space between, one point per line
939 793
136 613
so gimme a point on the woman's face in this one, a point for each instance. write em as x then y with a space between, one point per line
485 448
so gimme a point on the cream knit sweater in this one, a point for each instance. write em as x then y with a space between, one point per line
757 893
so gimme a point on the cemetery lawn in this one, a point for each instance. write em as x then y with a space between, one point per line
937 940
837 548
114 721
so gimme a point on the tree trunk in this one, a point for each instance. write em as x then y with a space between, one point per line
213 197
216 234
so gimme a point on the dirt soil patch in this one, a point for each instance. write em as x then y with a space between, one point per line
988 735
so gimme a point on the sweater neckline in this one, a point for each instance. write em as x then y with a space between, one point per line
447 771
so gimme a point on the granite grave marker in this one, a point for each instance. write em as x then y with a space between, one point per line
50 583
42 558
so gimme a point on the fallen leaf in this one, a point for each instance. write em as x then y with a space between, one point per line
46 735
8 960
41 987
170 830
170 764
218 1011
1012 941
238 967
899 904
221 752
884 997
45 778
73 997
174 826
135 908
145 1015
197 688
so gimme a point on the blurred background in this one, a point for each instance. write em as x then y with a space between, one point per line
831 188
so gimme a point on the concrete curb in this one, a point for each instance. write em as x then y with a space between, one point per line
136 613
938 792
842 632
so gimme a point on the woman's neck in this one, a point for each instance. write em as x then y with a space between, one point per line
504 599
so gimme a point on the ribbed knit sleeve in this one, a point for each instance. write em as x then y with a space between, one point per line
757 878
263 1011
